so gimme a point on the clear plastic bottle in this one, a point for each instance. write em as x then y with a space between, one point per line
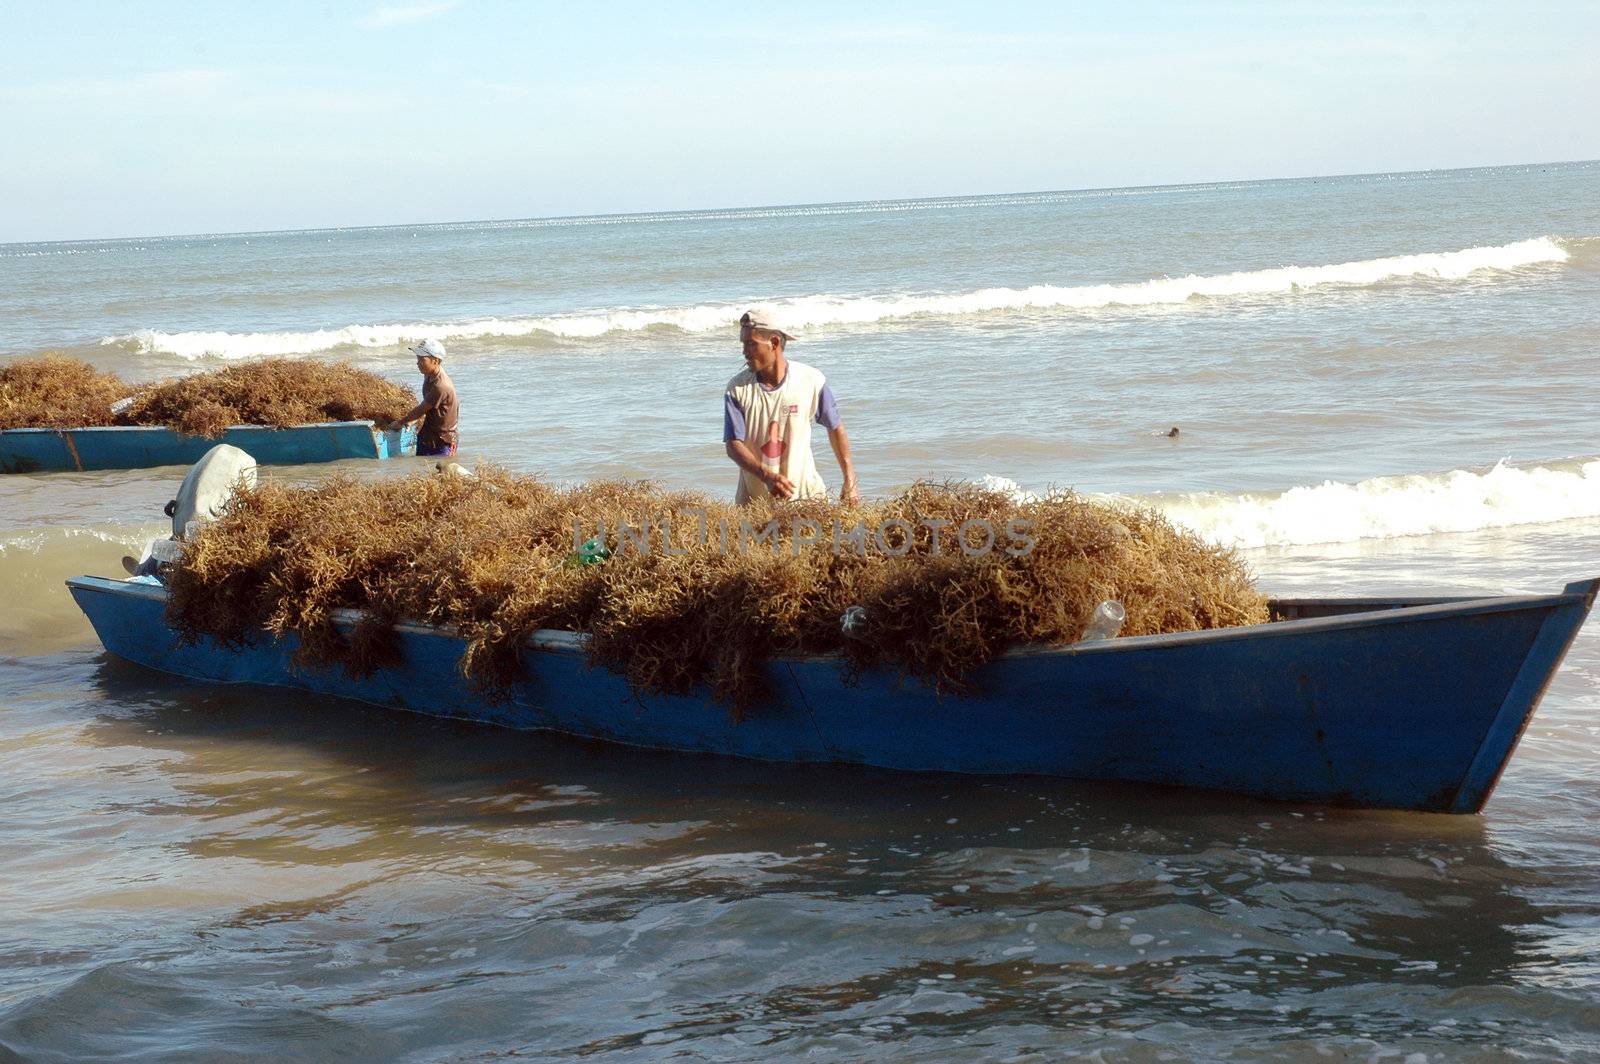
853 622
1105 622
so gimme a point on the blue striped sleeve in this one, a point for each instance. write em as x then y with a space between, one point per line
827 409
733 426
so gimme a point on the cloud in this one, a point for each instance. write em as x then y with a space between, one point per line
392 16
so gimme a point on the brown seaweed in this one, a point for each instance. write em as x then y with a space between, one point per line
57 391
492 556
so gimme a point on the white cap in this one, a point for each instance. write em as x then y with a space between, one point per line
430 348
771 318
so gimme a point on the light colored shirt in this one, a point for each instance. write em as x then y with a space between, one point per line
734 427
777 425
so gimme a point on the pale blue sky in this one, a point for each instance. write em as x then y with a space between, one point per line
143 118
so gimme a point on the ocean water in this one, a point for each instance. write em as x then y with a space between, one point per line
1382 384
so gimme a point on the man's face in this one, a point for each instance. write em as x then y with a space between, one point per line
426 364
760 349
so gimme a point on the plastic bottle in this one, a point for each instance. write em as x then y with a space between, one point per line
853 622
1105 622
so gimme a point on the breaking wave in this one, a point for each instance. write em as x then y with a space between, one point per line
827 310
1388 507
1411 504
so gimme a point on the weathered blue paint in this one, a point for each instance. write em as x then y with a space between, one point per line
140 446
1402 704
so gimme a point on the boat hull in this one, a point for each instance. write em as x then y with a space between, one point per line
141 446
1413 707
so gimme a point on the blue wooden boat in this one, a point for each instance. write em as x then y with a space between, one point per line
1388 703
140 446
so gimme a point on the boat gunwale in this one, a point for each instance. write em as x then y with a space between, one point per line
560 641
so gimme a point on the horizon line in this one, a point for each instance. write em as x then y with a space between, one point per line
625 215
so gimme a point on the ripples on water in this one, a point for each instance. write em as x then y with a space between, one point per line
195 867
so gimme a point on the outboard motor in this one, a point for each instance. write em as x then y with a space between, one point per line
209 485
205 491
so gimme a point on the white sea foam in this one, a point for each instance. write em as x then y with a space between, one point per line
35 541
1387 507
828 310
1413 504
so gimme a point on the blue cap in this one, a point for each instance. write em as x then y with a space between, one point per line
431 348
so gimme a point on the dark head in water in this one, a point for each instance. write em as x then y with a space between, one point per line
1172 432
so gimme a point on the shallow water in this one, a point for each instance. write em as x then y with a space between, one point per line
191 872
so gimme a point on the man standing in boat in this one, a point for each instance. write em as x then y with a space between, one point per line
438 409
767 414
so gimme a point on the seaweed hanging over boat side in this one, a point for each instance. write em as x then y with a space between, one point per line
691 593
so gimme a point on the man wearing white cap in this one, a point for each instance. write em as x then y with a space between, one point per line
438 410
767 414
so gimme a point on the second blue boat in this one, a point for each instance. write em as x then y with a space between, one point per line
142 446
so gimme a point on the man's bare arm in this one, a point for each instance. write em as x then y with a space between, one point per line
849 494
416 412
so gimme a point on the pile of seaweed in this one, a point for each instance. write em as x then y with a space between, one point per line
56 391
709 602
